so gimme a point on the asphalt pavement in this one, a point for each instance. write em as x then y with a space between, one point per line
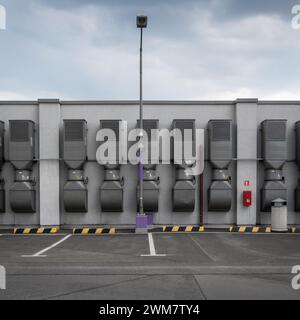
156 266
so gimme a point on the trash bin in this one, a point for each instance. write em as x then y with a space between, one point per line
279 215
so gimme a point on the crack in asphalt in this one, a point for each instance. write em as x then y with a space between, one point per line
92 288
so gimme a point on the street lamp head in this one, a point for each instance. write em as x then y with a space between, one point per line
141 21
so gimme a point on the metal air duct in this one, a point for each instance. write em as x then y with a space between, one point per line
185 185
21 155
111 191
274 148
220 156
75 155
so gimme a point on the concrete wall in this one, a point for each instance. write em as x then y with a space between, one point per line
50 171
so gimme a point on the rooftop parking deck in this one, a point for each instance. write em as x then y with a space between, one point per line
154 266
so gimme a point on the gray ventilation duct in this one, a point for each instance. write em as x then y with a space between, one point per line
111 191
274 148
185 185
220 156
75 156
2 191
297 191
151 181
21 155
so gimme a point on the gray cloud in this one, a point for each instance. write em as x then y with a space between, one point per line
193 49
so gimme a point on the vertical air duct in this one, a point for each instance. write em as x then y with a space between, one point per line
75 156
297 191
220 156
21 155
111 191
2 191
151 181
274 148
185 185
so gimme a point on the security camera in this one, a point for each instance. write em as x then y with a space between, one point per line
141 21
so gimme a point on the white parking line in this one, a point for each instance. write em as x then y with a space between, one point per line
152 248
40 253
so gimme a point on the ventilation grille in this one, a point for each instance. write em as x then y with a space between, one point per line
74 131
148 125
19 131
112 125
184 125
276 131
221 131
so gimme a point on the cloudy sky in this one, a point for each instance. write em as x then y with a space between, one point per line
194 49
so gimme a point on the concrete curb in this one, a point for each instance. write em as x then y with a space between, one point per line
163 229
87 231
232 229
35 230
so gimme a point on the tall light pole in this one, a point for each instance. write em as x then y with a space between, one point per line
141 23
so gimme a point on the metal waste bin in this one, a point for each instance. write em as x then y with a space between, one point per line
279 215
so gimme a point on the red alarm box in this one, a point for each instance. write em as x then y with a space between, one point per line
247 198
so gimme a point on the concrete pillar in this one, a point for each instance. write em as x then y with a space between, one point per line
246 119
49 120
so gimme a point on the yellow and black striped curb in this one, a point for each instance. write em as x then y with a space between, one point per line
257 229
182 229
35 230
232 229
86 231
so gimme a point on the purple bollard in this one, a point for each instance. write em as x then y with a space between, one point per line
141 221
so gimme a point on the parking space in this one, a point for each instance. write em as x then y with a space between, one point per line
175 266
101 250
13 246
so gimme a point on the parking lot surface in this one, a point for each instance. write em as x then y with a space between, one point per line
155 266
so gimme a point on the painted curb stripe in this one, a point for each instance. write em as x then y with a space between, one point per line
174 229
87 231
244 229
255 229
35 230
112 231
240 229
189 228
182 229
98 230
